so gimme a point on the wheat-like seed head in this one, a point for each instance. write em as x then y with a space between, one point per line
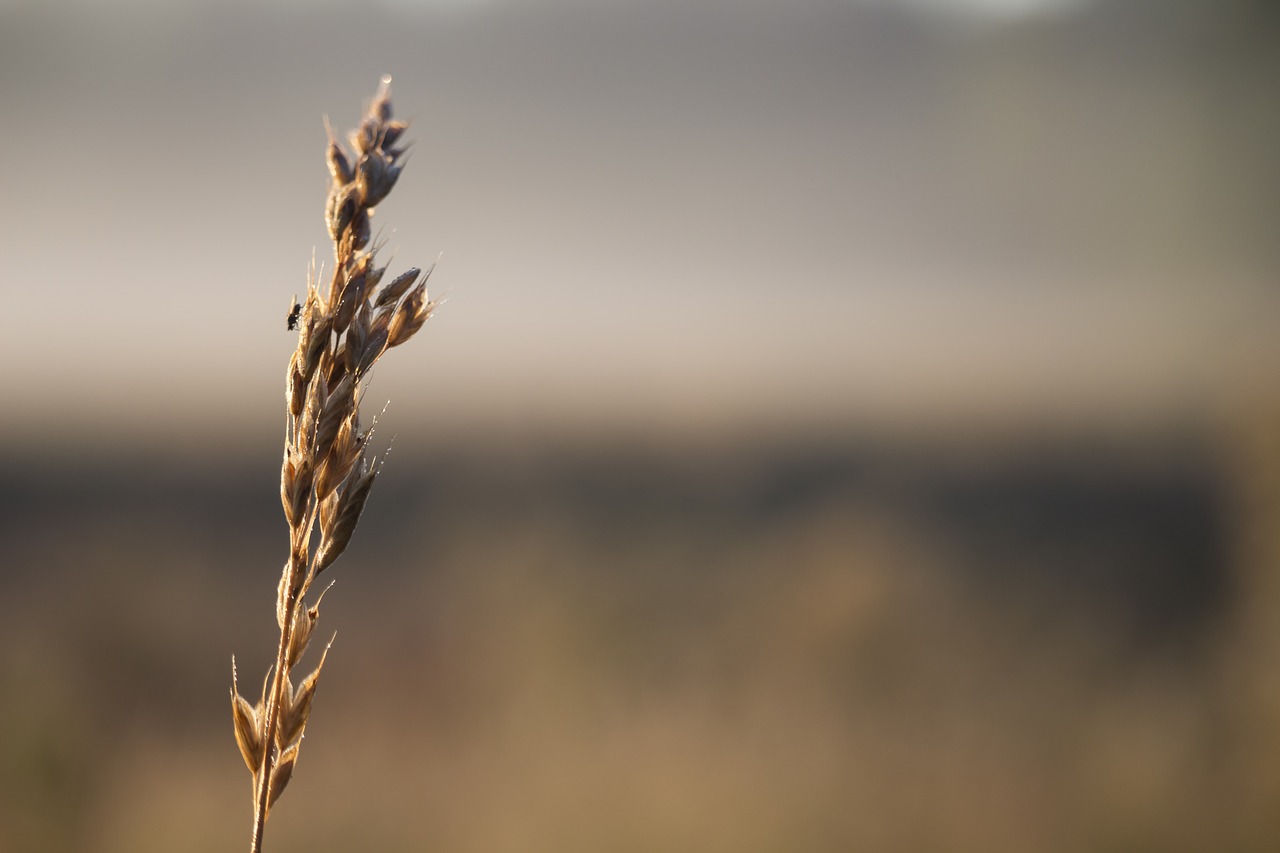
327 472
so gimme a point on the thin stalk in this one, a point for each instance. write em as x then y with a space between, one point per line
263 788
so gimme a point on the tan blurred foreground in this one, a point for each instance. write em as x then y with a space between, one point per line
1057 646
680 220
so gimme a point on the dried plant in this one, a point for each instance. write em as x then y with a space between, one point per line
327 472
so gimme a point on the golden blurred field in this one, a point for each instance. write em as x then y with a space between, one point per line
853 426
876 645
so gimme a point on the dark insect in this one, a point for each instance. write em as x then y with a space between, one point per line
294 313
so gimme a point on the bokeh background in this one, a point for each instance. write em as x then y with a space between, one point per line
851 425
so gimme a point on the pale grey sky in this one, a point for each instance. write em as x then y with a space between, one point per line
986 8
676 216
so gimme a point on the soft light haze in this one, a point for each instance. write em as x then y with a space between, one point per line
696 216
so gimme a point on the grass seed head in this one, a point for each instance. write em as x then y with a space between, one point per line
325 475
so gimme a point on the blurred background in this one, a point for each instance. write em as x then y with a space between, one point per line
852 425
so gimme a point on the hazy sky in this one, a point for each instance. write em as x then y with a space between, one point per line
1001 9
699 215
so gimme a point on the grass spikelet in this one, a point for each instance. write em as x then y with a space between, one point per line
326 475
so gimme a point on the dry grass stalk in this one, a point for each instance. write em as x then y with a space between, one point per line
327 473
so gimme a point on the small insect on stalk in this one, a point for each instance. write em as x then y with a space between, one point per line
326 472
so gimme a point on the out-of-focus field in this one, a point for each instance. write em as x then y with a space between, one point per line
949 327
1061 645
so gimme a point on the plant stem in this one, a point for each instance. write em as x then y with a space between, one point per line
291 591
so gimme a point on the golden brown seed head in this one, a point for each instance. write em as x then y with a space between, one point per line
281 774
248 722
325 476
343 519
288 479
303 626
361 230
318 344
342 456
410 316
336 410
344 204
297 710
339 166
397 288
374 347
